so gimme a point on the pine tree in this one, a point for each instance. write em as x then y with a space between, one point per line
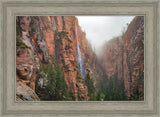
100 96
113 89
56 88
137 93
51 85
61 87
90 86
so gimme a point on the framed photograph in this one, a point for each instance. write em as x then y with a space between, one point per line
57 61
80 58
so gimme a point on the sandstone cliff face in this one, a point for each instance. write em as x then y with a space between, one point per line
25 93
26 67
125 55
50 36
89 57
54 37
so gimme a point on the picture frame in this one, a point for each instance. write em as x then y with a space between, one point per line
150 9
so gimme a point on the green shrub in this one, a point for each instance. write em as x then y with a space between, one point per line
79 78
67 47
20 44
33 23
18 29
34 18
68 39
33 29
61 32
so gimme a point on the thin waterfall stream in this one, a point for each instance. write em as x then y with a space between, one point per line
80 62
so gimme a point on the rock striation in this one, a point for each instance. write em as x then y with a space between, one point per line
125 54
50 37
41 38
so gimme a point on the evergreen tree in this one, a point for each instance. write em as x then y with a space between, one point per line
137 93
113 89
55 88
100 96
61 87
51 85
48 91
90 86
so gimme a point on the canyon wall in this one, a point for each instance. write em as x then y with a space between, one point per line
40 40
54 37
125 55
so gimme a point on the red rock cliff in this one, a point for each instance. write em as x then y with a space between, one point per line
125 54
44 37
50 36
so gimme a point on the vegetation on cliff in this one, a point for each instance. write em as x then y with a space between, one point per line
54 87
138 88
90 86
50 69
20 44
125 54
112 90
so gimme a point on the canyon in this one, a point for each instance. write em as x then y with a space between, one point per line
45 40
125 55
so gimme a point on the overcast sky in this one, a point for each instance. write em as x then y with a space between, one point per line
100 29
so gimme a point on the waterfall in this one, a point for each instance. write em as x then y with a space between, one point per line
80 62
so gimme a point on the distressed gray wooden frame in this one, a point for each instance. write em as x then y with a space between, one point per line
9 9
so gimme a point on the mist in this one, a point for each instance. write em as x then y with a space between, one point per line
100 29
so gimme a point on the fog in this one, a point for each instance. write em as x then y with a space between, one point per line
100 29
